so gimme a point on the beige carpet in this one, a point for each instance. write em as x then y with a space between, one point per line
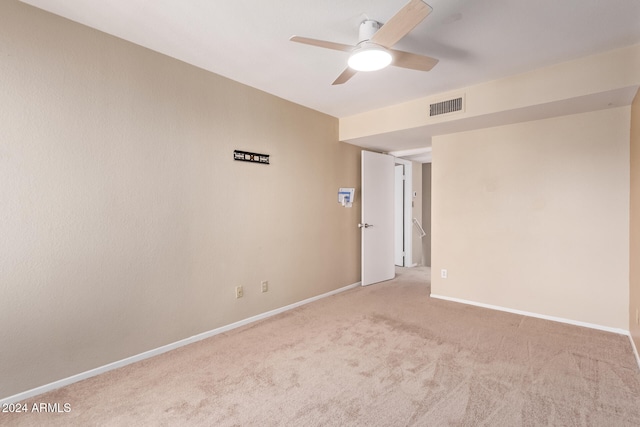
384 355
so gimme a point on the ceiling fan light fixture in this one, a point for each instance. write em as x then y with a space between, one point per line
369 57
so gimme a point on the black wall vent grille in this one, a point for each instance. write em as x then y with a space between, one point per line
445 107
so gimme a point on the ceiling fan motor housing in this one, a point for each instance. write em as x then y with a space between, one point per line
367 29
369 56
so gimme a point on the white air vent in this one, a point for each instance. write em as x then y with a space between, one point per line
446 107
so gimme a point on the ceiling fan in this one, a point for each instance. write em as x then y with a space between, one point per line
373 51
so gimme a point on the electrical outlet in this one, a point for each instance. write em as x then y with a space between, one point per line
264 285
443 273
239 292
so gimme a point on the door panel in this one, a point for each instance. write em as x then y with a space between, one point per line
377 226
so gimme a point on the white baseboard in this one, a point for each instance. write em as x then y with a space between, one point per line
544 316
157 351
539 316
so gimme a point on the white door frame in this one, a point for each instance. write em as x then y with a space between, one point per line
398 217
408 211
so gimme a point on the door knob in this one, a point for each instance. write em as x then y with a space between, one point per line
365 225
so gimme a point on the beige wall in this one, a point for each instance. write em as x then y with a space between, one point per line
634 235
126 224
534 216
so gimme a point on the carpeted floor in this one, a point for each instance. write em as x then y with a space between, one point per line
384 355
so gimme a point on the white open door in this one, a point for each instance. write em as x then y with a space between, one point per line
377 218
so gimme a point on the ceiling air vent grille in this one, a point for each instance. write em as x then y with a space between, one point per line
445 107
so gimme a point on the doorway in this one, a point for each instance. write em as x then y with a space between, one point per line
403 199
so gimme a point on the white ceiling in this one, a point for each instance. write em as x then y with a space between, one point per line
248 41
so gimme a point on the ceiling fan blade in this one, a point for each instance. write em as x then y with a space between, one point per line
401 23
322 43
412 60
346 75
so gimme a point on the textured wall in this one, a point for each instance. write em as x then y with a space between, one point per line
126 224
535 216
634 235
